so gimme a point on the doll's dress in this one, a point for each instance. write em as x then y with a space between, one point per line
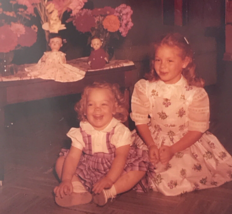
98 151
97 58
175 109
53 68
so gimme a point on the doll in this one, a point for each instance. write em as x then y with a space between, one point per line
98 56
52 65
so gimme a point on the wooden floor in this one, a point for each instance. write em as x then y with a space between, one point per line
36 132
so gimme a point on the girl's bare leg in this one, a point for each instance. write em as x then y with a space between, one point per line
59 168
128 181
79 195
123 184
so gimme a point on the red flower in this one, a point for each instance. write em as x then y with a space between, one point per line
84 22
111 23
27 39
103 11
8 39
108 10
97 12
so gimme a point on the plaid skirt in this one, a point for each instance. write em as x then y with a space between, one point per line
92 167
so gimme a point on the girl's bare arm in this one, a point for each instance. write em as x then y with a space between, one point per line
118 163
71 163
115 171
167 152
188 140
145 134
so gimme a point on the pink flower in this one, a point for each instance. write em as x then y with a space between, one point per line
35 1
124 12
17 28
27 39
60 5
8 39
73 5
29 4
22 2
76 6
84 21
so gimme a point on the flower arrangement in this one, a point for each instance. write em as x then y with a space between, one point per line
16 30
51 12
104 23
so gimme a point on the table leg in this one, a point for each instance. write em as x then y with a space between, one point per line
2 142
2 132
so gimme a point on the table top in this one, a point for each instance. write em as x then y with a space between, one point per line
80 63
20 88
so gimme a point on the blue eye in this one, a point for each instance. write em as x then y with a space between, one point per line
90 104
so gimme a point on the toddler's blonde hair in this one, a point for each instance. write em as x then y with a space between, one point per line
118 98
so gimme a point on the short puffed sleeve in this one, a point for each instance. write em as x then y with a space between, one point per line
140 105
199 111
122 136
75 135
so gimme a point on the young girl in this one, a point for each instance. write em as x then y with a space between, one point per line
171 114
98 56
100 160
52 65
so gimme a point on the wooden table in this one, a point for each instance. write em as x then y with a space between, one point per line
12 92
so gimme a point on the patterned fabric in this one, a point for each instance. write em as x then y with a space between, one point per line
170 112
93 166
54 69
79 63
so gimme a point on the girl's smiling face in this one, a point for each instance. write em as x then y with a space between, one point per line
169 63
100 108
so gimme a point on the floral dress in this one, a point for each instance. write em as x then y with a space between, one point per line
171 110
53 68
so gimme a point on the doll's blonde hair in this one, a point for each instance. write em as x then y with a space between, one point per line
117 97
177 40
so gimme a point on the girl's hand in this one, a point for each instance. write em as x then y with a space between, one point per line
154 154
65 188
104 183
166 154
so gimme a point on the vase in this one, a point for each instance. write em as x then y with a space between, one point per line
7 68
110 51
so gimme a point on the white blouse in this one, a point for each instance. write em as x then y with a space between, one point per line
170 105
121 136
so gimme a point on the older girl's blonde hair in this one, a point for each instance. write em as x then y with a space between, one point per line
177 40
118 98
